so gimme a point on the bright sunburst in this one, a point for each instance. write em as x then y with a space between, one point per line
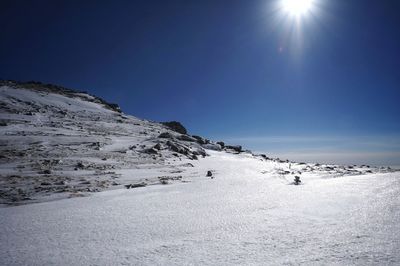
297 7
297 20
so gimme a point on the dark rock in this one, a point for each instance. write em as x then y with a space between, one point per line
200 152
3 124
186 138
114 107
166 135
283 172
209 174
150 151
199 139
178 148
172 178
95 145
212 146
221 143
143 184
236 148
175 126
157 146
45 172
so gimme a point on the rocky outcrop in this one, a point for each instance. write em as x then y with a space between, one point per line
166 135
200 140
236 148
186 138
175 126
212 146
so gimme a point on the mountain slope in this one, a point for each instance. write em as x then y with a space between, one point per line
56 140
57 143
222 207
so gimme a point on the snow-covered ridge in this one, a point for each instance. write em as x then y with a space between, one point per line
55 89
57 143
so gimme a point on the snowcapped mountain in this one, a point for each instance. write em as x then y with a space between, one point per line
57 143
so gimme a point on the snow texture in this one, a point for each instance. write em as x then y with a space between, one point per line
59 144
241 217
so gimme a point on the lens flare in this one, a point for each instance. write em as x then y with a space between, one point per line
297 7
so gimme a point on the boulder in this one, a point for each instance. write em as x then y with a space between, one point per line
175 126
166 135
177 148
221 143
150 151
212 146
236 148
45 172
157 146
197 149
186 138
199 139
143 184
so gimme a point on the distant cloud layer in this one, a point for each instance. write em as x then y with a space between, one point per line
375 150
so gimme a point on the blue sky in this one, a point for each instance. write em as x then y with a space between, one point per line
326 90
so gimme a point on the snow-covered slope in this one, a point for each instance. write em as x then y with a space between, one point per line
57 143
241 217
204 203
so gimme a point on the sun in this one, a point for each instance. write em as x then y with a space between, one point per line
297 7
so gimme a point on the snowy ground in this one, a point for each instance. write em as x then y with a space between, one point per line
58 146
56 143
241 217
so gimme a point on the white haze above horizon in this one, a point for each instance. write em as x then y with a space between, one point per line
372 150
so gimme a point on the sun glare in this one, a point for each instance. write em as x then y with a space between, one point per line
297 7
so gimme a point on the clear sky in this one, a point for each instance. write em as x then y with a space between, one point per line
321 87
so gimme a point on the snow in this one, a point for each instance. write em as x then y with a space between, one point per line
57 149
53 133
239 217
